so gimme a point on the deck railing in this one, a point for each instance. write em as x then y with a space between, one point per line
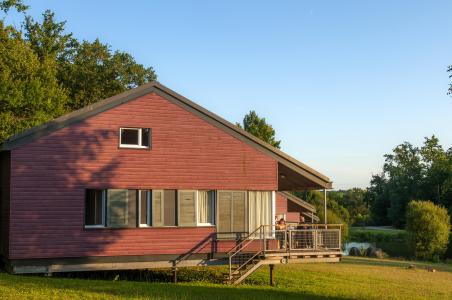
313 237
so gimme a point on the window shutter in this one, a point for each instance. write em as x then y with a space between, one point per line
239 212
157 208
187 208
169 208
224 209
117 208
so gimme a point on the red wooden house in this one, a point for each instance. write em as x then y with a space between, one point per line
149 179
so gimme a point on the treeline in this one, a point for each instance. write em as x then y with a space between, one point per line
411 173
46 72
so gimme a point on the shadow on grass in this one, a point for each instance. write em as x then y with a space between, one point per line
41 288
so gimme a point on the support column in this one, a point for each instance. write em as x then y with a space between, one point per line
325 207
174 274
272 275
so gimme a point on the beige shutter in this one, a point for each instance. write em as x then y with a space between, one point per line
224 209
239 212
157 208
117 204
187 208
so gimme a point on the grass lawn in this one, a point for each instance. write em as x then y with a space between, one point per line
353 278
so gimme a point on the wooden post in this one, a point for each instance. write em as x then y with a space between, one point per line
272 275
174 274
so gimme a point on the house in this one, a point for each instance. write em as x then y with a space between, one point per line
149 179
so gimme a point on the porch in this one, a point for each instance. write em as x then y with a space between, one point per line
268 245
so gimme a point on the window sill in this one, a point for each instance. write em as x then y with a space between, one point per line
95 227
133 147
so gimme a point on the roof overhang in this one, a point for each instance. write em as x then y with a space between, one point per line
299 176
300 202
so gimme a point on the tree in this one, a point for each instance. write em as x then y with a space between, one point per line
29 91
94 73
354 201
428 226
88 71
449 91
19 5
411 173
45 72
258 127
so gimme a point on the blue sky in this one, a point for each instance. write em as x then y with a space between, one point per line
342 82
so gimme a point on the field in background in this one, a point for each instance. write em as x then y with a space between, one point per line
354 278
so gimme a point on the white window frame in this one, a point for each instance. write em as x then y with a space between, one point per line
104 208
133 146
148 213
212 221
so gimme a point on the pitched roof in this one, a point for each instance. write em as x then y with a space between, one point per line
32 134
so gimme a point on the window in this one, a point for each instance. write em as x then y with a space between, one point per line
144 205
135 138
94 208
206 207
232 213
121 208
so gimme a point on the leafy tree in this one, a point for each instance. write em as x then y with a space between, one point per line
49 39
449 69
411 173
258 127
429 226
29 91
45 72
19 5
354 201
88 71
94 73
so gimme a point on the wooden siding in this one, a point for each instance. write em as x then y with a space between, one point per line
281 204
50 175
5 168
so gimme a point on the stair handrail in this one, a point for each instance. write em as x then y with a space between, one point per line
245 239
241 246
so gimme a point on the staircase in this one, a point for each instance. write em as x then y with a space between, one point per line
246 257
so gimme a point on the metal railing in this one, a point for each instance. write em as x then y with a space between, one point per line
270 238
314 237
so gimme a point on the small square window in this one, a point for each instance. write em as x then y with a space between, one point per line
135 138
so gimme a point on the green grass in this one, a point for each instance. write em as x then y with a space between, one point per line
356 278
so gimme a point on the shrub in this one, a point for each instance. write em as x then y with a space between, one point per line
428 226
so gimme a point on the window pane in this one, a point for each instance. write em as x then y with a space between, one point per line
145 137
144 207
169 208
93 207
187 208
117 208
129 136
205 207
